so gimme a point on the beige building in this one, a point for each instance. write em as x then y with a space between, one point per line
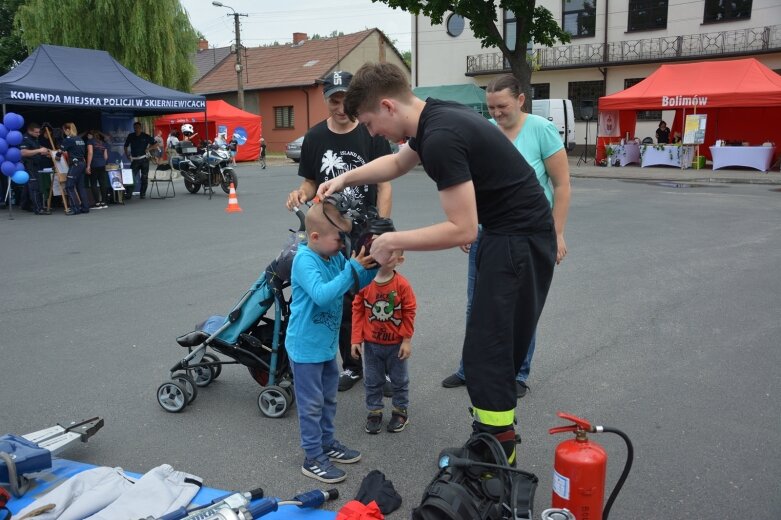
614 45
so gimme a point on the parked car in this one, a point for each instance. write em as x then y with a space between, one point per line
293 149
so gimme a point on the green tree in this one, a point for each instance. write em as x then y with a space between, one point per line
12 50
534 23
407 57
152 38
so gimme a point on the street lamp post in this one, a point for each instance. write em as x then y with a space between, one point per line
239 77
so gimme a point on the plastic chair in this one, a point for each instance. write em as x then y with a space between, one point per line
163 174
648 140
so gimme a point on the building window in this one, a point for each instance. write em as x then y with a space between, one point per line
585 94
726 10
579 17
647 14
643 115
283 117
455 25
540 90
510 26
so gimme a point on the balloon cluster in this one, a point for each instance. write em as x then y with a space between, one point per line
10 155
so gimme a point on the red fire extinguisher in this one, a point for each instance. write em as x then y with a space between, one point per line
579 470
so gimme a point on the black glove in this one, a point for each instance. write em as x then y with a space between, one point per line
376 487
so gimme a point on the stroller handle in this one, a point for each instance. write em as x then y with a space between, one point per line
300 215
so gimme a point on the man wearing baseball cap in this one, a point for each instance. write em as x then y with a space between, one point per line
332 147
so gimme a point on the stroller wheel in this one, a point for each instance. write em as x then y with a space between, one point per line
188 383
216 369
172 396
273 401
291 395
203 376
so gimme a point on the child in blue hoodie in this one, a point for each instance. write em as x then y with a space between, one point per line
320 278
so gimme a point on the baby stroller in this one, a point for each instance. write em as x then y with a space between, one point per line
248 337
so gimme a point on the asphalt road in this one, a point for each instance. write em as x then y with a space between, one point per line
663 321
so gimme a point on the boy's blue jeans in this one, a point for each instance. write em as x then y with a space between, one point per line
471 276
316 386
379 360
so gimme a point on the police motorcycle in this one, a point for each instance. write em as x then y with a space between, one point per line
208 166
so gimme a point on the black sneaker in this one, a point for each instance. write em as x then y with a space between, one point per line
521 388
453 381
387 388
374 423
348 379
322 469
398 421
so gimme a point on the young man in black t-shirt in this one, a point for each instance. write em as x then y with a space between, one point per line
481 177
331 148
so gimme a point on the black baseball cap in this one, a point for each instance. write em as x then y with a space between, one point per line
337 81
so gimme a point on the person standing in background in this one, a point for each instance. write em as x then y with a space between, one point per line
97 157
32 154
158 153
137 147
663 133
262 154
76 149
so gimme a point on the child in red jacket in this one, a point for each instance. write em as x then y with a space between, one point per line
383 324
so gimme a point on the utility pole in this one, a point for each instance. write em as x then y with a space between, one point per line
238 66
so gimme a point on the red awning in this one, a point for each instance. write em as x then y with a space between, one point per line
706 84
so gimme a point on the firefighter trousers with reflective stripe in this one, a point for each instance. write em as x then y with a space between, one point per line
514 274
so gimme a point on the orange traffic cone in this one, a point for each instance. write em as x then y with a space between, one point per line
233 202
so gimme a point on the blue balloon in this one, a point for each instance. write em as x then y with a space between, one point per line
19 166
14 138
13 154
3 146
2 158
3 131
13 121
20 177
8 168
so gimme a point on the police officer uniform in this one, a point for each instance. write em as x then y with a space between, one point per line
34 164
77 162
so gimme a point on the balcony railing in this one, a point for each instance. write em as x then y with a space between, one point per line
744 41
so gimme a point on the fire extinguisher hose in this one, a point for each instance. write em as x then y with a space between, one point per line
630 452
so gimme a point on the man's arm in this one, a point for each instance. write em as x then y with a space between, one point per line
460 228
557 167
304 193
384 199
90 153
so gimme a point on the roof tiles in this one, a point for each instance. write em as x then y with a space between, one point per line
280 66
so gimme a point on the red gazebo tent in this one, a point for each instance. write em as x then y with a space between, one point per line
742 99
219 113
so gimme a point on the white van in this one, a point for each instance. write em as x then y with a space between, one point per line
560 112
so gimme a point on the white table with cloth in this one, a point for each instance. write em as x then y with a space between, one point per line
625 153
666 155
757 157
